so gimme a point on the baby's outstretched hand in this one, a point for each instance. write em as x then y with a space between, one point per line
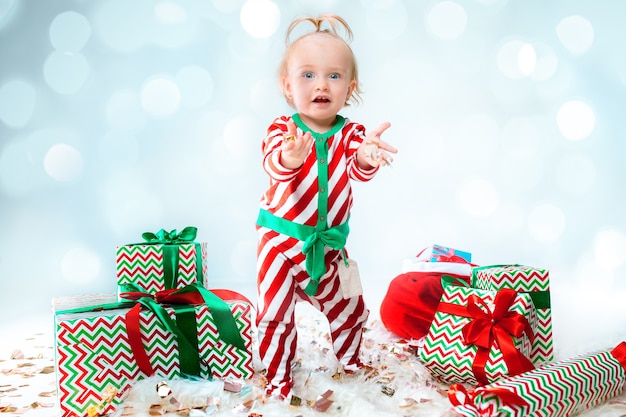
295 147
374 152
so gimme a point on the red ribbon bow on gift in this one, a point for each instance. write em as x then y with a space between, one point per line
184 328
498 327
459 396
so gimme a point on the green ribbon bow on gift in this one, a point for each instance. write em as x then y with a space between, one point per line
171 255
187 235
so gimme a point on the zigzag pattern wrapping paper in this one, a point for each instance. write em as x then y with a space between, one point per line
523 279
444 351
93 354
560 389
142 265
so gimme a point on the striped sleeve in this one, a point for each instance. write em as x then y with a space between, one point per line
355 135
271 149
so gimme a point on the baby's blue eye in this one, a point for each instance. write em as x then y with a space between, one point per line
308 75
334 76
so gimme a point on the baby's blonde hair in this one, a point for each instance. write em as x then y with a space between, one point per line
333 22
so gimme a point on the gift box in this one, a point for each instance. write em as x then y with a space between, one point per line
479 336
535 282
438 258
101 349
166 260
440 253
559 389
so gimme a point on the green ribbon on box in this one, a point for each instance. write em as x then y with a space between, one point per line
541 299
184 327
171 242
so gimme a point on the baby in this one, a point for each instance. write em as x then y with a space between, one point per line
310 158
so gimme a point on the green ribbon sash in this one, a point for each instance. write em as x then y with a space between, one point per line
314 242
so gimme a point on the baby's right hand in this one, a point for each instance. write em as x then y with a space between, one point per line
295 147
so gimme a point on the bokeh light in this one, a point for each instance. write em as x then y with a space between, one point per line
66 72
160 96
63 162
576 34
80 266
516 59
576 120
447 20
17 103
69 32
546 223
546 62
527 59
260 18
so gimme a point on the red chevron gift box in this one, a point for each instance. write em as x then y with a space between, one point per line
164 261
559 389
102 349
479 336
535 282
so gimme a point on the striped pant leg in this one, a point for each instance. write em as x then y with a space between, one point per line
346 317
276 305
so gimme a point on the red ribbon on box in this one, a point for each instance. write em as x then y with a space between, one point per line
458 395
184 329
487 328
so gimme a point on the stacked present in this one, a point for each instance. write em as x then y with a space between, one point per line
163 321
494 331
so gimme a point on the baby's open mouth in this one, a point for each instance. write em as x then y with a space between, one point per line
321 100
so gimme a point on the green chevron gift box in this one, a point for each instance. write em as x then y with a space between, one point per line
479 336
558 389
103 347
164 261
535 282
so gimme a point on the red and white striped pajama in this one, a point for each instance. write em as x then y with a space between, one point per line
283 280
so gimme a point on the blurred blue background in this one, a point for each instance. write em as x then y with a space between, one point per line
119 117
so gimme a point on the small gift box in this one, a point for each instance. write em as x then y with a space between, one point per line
479 336
440 253
101 349
438 258
166 260
559 389
536 283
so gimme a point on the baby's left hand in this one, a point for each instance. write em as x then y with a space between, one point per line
374 152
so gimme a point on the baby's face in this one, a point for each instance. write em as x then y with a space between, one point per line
320 78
